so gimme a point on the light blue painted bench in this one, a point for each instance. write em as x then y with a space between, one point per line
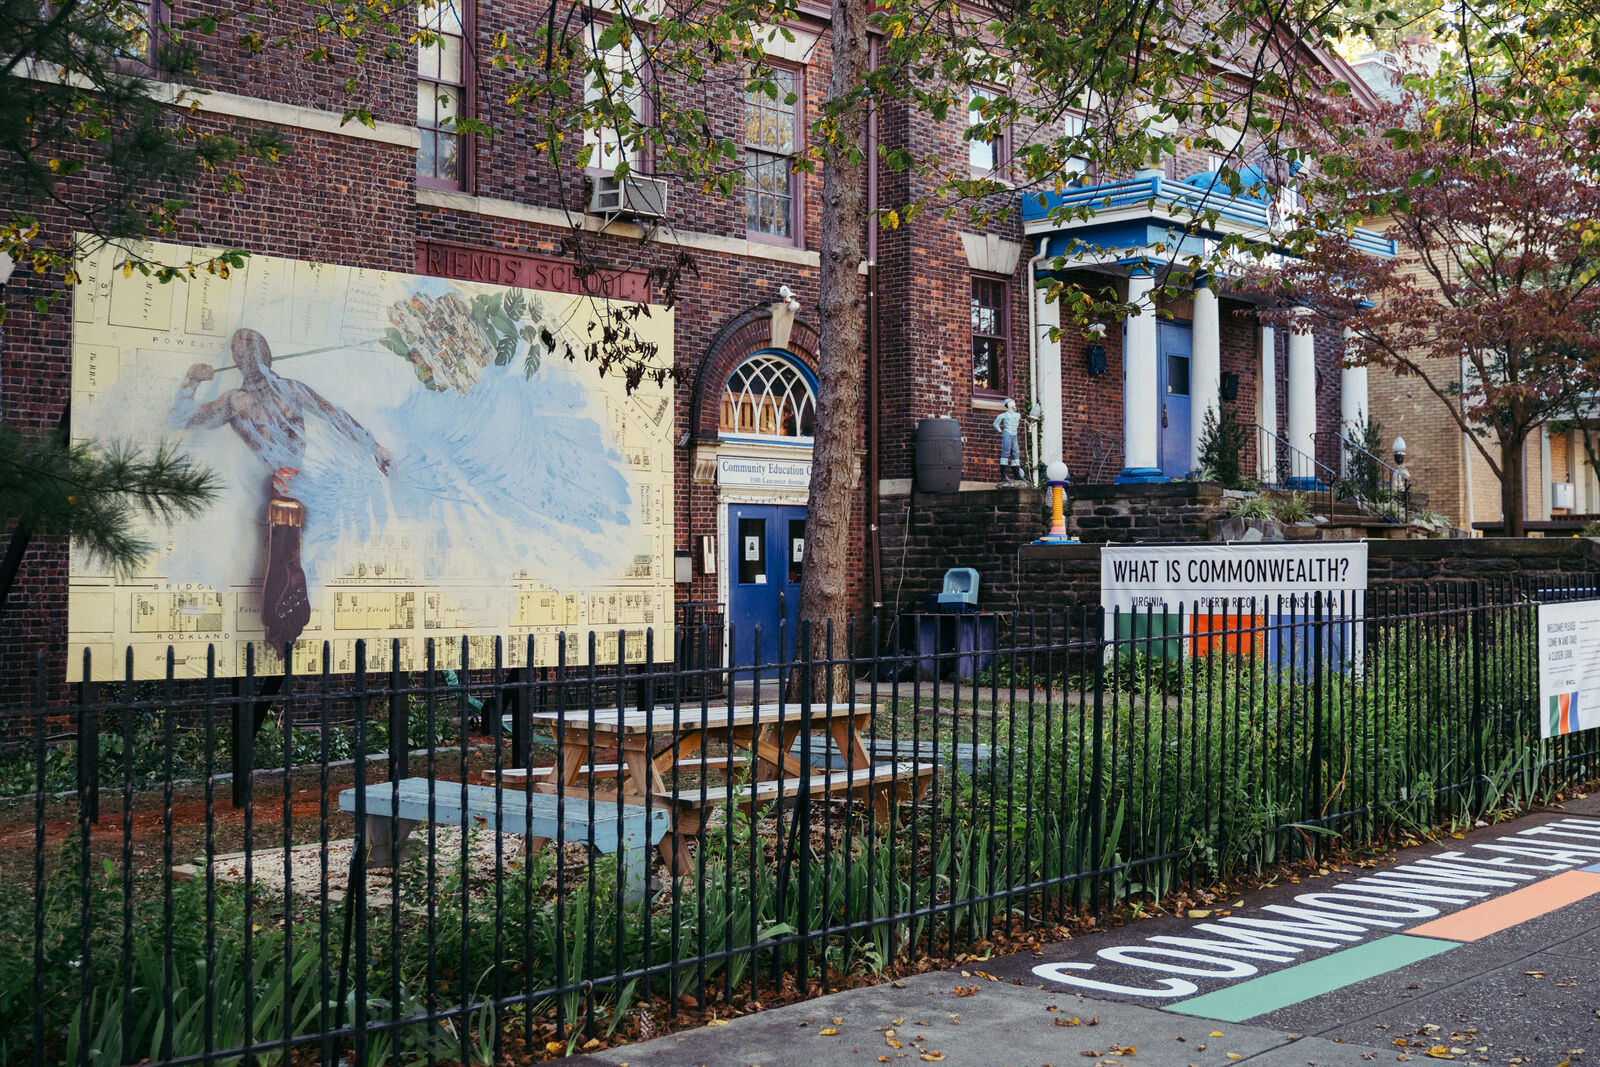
628 833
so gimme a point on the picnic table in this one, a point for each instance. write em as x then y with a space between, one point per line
641 747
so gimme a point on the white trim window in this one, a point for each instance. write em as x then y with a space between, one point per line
987 157
772 141
443 95
768 396
616 96
1075 125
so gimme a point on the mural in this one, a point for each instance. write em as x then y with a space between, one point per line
402 458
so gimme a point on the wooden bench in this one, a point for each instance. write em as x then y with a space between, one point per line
879 786
971 759
400 806
518 777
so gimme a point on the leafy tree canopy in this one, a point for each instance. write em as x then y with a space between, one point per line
1493 303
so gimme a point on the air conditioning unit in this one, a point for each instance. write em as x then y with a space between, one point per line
634 195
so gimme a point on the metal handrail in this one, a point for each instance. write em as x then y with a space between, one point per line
1349 446
1300 465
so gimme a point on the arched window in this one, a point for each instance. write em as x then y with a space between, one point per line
768 396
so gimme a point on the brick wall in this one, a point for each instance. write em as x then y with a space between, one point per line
924 534
1161 511
332 199
343 200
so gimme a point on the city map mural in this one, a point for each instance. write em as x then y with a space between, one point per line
402 457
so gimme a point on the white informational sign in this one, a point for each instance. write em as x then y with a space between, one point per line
735 472
1227 578
752 548
1256 599
1569 667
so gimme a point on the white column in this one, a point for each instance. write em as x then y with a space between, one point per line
1267 415
1578 459
1205 368
1302 402
1544 475
1141 407
1352 401
1048 389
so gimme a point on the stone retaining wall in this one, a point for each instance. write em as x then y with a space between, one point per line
992 531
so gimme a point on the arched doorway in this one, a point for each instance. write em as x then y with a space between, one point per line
764 425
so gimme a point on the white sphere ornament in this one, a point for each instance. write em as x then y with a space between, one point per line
1056 471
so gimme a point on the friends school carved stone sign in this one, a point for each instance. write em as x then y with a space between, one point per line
499 266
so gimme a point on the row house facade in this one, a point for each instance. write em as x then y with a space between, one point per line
957 320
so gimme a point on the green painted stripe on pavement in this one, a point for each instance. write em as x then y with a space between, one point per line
1236 1003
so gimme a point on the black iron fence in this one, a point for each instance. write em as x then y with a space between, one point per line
461 864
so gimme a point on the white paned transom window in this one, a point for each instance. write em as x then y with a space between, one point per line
768 396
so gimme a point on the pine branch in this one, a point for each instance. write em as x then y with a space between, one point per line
96 495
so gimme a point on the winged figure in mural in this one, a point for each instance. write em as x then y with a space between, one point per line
268 412
470 461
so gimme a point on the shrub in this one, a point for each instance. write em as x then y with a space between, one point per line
1295 508
1255 507
1365 473
1222 441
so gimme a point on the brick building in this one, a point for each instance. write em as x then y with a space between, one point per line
960 322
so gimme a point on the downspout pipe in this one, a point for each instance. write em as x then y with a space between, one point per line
874 393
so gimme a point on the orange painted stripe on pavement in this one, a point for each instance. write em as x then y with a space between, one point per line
1529 902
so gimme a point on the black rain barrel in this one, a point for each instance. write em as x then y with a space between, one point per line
939 455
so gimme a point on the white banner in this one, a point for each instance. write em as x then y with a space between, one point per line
1225 577
1569 667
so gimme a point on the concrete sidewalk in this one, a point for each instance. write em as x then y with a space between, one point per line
1484 949
937 1017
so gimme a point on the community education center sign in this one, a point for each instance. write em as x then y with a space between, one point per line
1569 667
1157 590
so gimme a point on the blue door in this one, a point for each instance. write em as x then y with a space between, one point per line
766 552
1172 370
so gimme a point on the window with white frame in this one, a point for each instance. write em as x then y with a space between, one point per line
442 93
987 156
615 94
771 142
1075 126
768 396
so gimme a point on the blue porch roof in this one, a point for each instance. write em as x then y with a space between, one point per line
1170 202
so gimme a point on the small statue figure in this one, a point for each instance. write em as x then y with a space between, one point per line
1008 425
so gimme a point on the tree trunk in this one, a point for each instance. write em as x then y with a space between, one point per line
825 577
1513 498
